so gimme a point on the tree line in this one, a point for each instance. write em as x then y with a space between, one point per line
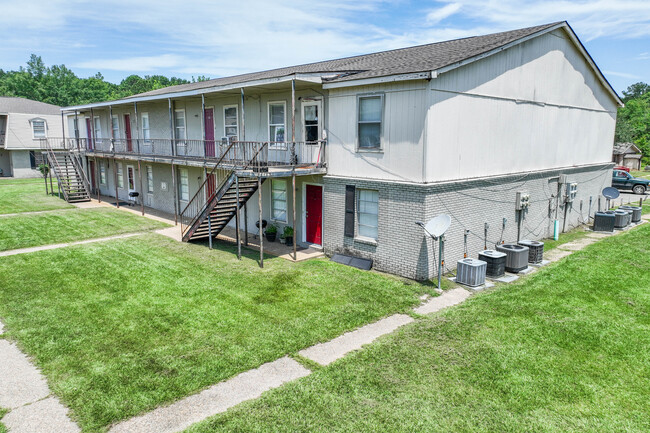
60 86
633 120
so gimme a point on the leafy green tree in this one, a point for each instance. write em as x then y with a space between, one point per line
633 120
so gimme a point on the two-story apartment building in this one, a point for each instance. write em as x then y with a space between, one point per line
352 152
23 124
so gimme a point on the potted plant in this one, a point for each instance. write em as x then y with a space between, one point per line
288 235
271 232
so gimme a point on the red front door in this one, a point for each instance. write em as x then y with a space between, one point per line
210 186
209 132
314 214
89 132
127 133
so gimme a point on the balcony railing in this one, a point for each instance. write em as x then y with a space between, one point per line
274 154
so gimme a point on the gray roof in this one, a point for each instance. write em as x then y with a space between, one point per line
421 58
9 104
622 148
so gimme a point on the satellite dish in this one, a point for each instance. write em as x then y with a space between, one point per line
611 193
438 225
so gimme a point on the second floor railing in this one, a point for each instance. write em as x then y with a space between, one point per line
275 154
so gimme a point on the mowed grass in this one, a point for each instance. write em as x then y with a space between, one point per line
564 350
3 412
27 195
21 231
122 326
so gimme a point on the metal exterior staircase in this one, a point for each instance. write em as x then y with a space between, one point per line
70 176
225 207
216 202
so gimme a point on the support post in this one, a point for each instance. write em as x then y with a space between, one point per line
63 130
141 190
76 128
259 202
243 117
209 231
51 187
295 229
110 125
92 128
237 217
175 194
99 196
45 177
137 132
203 118
171 126
293 110
246 224
117 196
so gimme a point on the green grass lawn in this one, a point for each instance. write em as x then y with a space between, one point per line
122 326
3 412
21 231
27 195
564 350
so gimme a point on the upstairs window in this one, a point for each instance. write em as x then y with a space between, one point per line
38 128
115 126
97 126
179 124
277 122
146 133
230 121
369 123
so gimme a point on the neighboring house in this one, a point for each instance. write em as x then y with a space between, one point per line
23 123
354 151
627 155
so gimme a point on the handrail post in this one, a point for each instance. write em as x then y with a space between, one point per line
259 220
237 215
209 231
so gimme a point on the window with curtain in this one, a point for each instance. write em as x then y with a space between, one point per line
368 213
179 124
370 119
146 133
115 126
230 121
97 125
102 173
279 200
277 122
38 128
149 179
184 185
120 176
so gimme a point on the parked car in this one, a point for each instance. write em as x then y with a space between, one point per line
624 180
620 167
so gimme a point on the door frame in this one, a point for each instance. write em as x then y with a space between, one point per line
319 104
132 167
126 140
303 214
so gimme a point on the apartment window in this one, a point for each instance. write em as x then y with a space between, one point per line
277 121
38 128
279 200
97 127
149 179
368 213
230 121
369 121
102 173
146 133
184 185
115 126
120 176
179 124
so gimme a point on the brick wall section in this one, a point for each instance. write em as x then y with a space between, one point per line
401 247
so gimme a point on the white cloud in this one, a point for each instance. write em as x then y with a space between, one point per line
622 75
643 56
437 15
139 64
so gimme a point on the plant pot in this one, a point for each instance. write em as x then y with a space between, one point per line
271 237
283 241
289 240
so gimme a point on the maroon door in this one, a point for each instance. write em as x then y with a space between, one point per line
89 131
314 214
127 133
210 186
209 132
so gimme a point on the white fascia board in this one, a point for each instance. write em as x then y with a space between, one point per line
378 80
574 39
311 78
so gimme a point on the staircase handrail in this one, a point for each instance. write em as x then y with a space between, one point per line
53 161
76 161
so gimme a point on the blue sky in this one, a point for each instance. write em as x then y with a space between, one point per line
220 38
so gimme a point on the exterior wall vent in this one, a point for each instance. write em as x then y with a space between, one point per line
636 212
471 272
604 221
516 257
535 250
496 263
